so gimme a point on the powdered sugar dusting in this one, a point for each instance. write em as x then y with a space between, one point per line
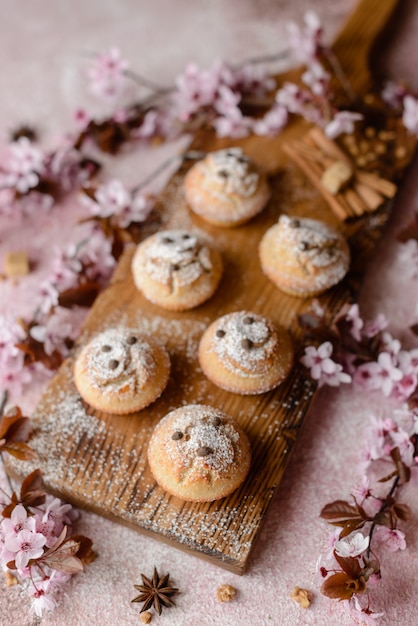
174 258
246 342
118 358
308 254
232 172
204 439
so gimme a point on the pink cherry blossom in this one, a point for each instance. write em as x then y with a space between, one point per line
322 367
342 122
111 198
56 330
49 296
96 255
363 615
227 101
25 164
393 94
107 74
374 327
391 345
293 98
306 42
234 125
382 375
114 200
26 545
410 114
14 376
33 202
19 520
10 334
253 79
58 513
316 78
361 490
81 118
273 121
401 440
391 538
137 210
318 360
195 89
353 316
42 598
353 545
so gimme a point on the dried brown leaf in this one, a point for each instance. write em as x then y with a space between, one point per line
339 511
82 295
341 586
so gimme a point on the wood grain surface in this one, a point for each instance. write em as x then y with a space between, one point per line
98 461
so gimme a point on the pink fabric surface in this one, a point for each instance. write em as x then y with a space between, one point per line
42 44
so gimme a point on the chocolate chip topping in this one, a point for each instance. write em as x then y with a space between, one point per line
131 340
216 421
303 245
248 320
223 173
185 236
167 240
113 364
220 333
246 343
294 223
175 267
106 348
204 451
177 435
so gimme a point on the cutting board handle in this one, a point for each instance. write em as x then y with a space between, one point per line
354 43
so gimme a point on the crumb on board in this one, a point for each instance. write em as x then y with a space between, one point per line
145 617
302 596
11 579
16 264
226 593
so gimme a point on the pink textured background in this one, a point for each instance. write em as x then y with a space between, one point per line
41 46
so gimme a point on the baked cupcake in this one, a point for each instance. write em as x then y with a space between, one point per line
199 453
226 188
245 353
176 269
120 371
304 257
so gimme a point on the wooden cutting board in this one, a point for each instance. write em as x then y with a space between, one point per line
98 461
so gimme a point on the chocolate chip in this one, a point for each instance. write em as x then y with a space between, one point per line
204 451
131 340
246 343
220 333
167 240
185 236
223 173
294 223
303 245
248 320
113 364
177 435
106 348
175 267
216 421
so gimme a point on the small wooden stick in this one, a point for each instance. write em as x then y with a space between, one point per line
383 186
315 179
356 203
371 197
327 146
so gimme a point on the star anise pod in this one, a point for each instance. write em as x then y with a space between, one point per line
155 592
